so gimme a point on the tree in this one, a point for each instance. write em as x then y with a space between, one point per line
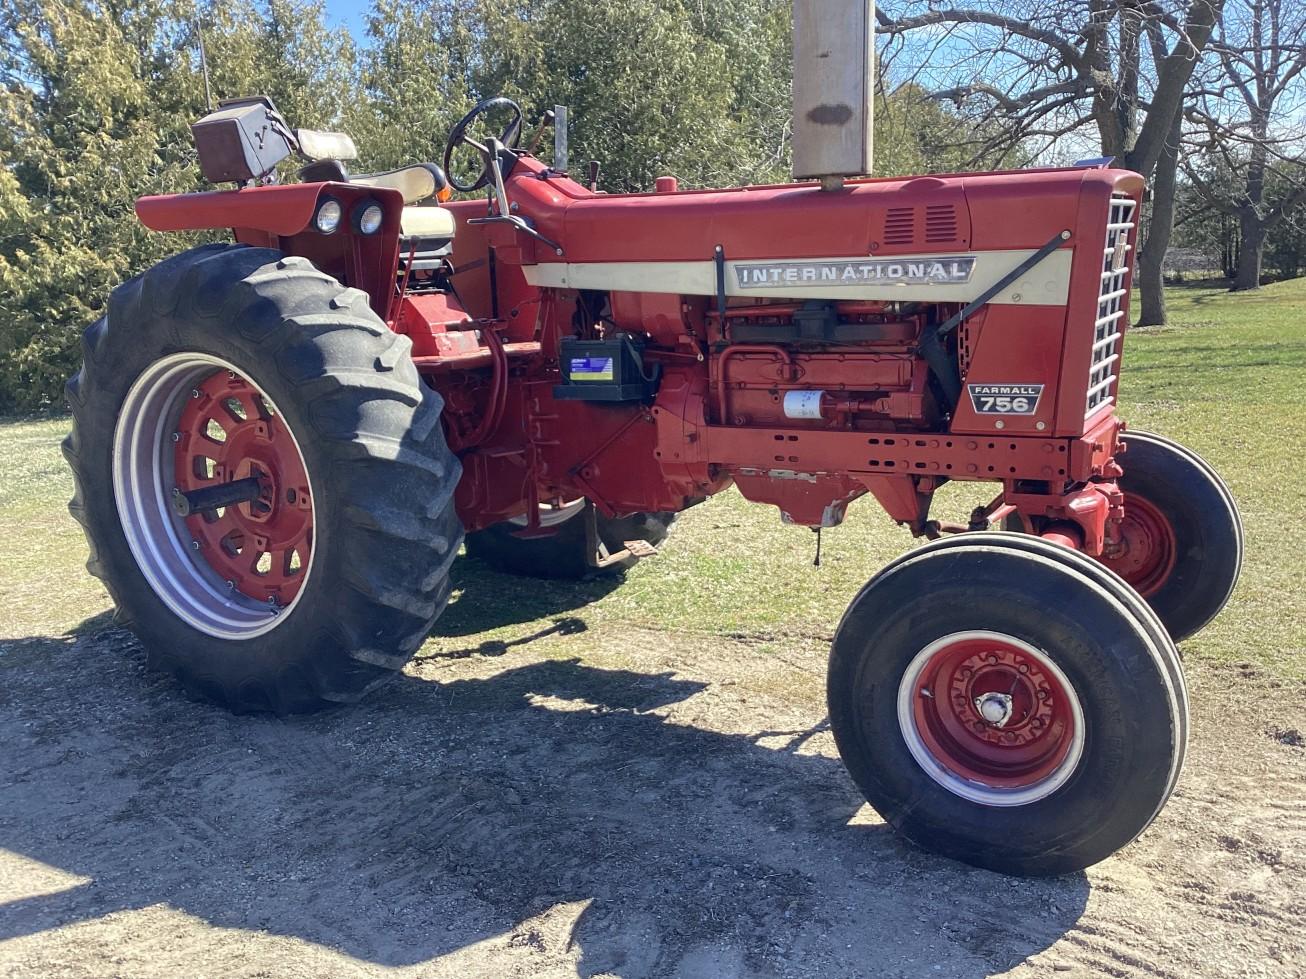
1243 115
411 88
96 98
1050 71
77 142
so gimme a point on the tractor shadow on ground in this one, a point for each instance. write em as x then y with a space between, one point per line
515 600
547 806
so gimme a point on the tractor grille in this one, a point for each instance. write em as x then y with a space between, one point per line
1117 260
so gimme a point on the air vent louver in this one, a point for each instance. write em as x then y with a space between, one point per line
900 226
940 223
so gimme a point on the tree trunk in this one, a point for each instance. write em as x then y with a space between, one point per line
1151 260
1251 247
1251 220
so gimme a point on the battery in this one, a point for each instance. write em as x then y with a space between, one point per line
611 369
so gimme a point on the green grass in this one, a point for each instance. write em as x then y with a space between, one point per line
1224 379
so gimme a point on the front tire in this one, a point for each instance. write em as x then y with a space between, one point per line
1182 536
1001 708
229 364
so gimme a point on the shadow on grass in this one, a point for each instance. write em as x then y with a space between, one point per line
438 815
495 600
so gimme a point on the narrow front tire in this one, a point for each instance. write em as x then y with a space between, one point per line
1001 708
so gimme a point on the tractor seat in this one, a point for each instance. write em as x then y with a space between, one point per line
426 223
416 182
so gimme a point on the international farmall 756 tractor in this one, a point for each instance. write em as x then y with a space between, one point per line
279 443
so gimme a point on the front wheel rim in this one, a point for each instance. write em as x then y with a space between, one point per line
991 718
189 421
1146 548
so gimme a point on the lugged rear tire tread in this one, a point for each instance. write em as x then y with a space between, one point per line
373 444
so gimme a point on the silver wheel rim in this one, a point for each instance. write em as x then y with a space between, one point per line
552 516
971 789
143 471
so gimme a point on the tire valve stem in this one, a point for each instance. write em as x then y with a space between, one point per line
231 585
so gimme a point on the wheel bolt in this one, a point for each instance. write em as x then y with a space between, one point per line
176 436
194 393
1023 668
231 585
194 545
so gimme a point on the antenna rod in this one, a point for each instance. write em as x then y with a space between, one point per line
204 68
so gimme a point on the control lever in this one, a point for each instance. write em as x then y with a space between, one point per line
499 197
545 121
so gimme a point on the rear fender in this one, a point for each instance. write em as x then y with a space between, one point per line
280 216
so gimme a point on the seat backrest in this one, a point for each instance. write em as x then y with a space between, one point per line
416 182
325 146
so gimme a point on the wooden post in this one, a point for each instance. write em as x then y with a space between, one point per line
834 61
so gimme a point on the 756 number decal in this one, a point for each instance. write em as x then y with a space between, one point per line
1005 399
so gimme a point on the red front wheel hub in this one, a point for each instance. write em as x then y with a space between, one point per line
1144 550
991 718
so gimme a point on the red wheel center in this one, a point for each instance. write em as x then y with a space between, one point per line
992 713
1145 550
261 547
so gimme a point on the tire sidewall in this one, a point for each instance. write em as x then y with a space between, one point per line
243 311
1129 745
154 618
1206 529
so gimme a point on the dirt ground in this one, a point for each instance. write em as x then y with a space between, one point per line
566 802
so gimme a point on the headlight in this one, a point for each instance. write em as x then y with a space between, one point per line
327 217
368 217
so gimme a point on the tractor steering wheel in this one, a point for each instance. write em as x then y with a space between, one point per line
511 136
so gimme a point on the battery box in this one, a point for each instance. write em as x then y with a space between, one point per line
611 369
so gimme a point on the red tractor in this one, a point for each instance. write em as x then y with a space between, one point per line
279 443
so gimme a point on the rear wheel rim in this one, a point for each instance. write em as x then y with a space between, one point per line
552 515
1145 550
191 421
991 718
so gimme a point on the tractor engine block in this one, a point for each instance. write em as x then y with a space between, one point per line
832 365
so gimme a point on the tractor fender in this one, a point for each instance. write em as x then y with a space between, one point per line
278 209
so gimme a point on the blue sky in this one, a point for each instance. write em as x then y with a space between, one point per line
349 13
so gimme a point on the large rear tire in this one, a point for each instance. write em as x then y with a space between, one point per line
229 364
564 554
1002 708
